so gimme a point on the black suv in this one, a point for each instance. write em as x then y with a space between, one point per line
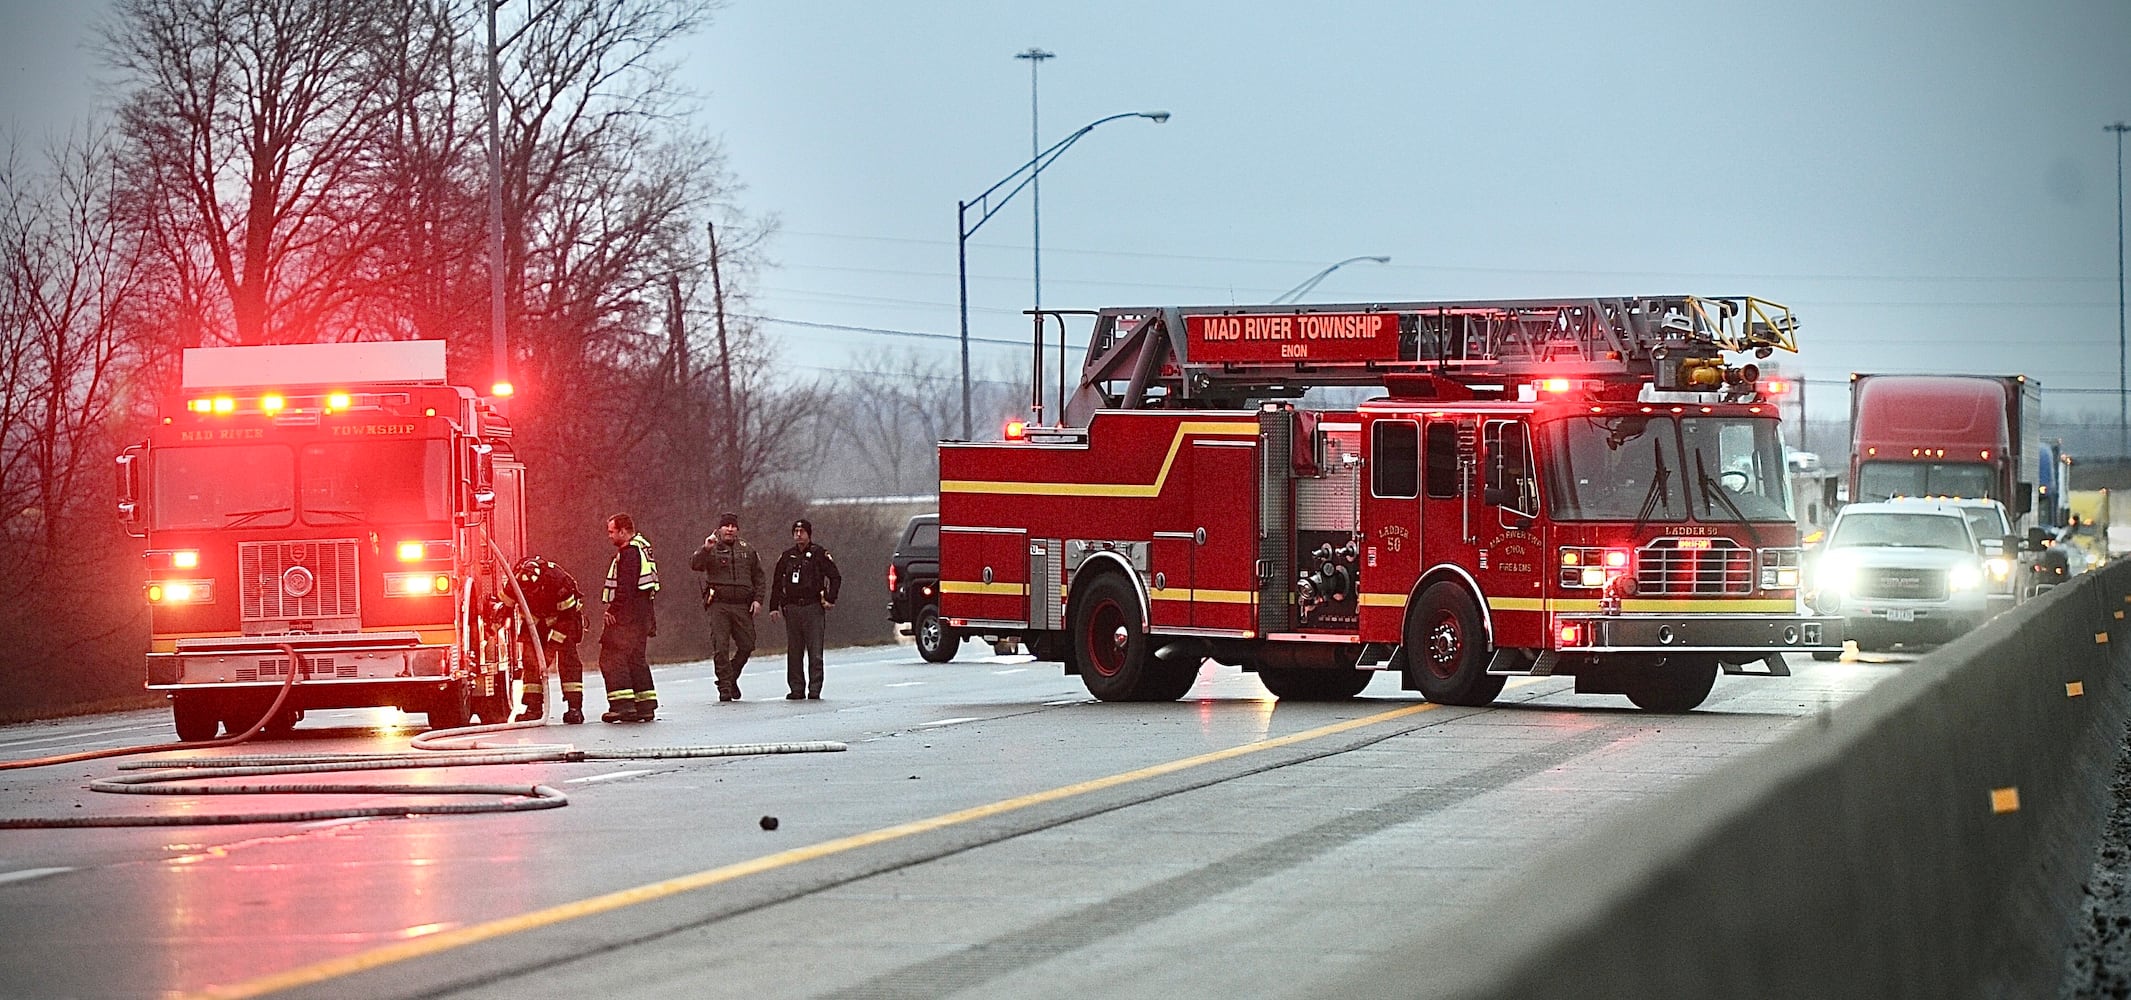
914 589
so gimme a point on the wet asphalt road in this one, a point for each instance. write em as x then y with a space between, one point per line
991 831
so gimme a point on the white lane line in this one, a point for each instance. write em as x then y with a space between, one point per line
609 776
1002 673
948 722
27 874
907 684
1068 701
75 736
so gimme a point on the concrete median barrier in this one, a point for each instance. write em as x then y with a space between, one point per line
1927 839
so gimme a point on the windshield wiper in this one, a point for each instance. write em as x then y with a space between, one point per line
241 516
1658 491
1701 469
352 515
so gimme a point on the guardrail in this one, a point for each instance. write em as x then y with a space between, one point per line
1929 838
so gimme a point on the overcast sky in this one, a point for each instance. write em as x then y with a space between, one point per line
1929 186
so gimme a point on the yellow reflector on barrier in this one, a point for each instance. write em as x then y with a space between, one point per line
2004 800
2101 638
2075 689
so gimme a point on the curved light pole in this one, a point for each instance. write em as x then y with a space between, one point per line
1297 292
990 202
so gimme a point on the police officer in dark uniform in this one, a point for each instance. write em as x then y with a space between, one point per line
630 619
732 594
805 589
557 610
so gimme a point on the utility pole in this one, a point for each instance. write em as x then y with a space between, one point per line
2123 402
499 344
725 375
1035 56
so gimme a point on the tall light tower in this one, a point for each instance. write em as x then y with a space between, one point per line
2123 407
1035 56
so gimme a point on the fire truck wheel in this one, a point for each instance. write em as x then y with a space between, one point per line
1677 685
451 709
1446 648
1314 684
1110 641
935 643
196 715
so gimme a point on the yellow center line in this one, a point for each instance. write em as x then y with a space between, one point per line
376 958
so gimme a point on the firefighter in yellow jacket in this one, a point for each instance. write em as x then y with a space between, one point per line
632 584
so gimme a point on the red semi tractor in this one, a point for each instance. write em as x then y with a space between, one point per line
1946 436
1578 487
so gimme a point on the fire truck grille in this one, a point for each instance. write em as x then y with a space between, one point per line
313 666
1668 566
1911 584
298 581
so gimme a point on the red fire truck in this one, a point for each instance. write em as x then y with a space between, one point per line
337 501
1581 487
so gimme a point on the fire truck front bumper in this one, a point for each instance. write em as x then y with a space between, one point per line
1748 636
260 661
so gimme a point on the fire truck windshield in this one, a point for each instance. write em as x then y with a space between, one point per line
329 483
379 482
249 485
1653 468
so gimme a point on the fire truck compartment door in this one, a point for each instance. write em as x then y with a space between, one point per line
1224 514
984 574
1169 582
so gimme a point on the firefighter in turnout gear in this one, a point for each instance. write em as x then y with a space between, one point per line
557 611
632 584
804 591
732 593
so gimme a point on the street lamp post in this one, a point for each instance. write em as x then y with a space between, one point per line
1035 56
2123 408
499 346
1296 293
990 201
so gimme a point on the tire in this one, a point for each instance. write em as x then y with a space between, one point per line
935 643
1675 686
195 715
451 709
283 721
1110 642
240 713
1826 656
1446 648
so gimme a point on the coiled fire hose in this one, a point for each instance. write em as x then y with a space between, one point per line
172 777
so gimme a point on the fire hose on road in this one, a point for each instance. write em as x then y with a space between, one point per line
459 747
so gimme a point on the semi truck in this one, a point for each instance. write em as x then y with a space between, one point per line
1946 436
327 516
1581 487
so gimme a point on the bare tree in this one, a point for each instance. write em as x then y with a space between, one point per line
251 125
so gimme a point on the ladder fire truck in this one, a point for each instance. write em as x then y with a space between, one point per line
338 505
1576 487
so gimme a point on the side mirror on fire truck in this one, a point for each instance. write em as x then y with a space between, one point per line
484 477
129 491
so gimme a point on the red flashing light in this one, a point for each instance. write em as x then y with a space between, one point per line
502 389
1572 634
1554 385
224 404
1775 387
1616 558
338 401
272 403
1017 430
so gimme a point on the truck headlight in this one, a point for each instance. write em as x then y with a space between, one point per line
181 592
1965 578
1998 568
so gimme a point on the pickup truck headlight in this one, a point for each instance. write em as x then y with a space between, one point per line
1965 578
1998 568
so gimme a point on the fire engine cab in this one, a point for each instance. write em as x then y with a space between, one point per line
1580 487
337 502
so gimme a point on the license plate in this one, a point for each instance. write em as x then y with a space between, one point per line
1901 614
